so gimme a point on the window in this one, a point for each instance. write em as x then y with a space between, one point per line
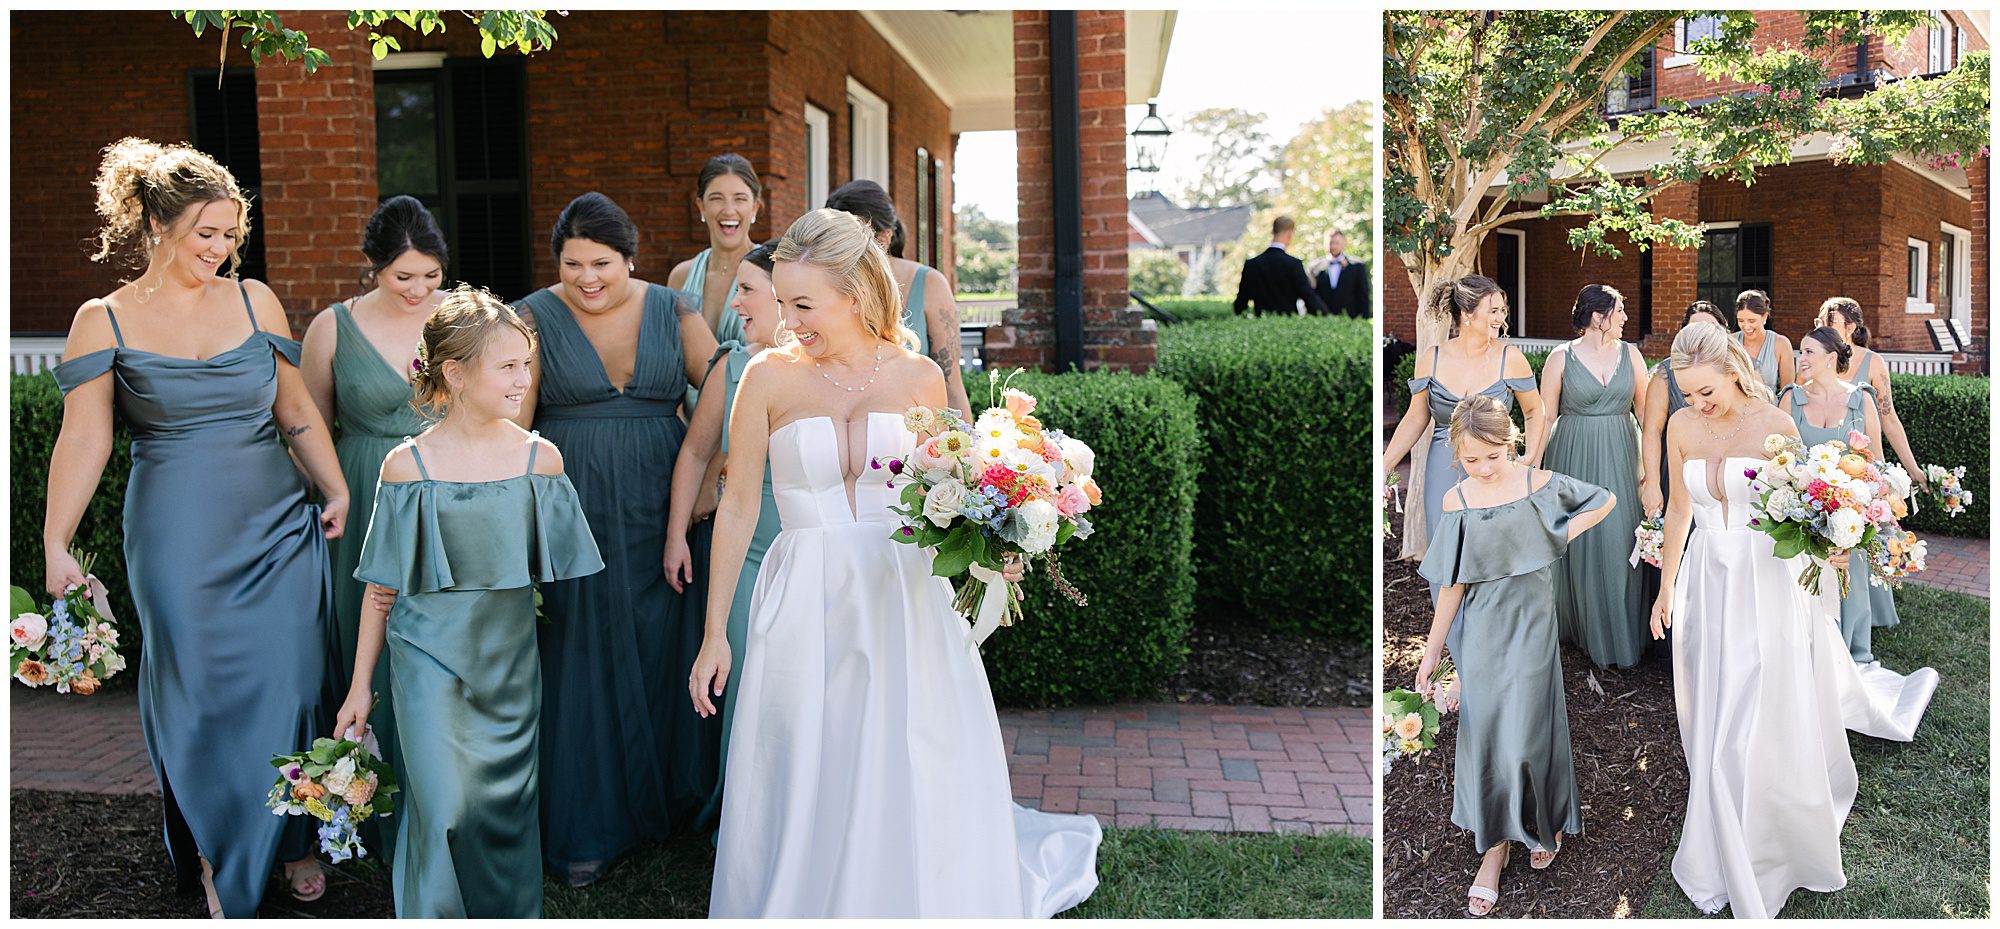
817 157
225 127
1732 259
1955 271
455 137
1917 277
867 135
921 235
1940 47
935 210
1632 92
1510 271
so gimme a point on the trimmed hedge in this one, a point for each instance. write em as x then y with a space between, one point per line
1136 570
1191 309
38 408
1286 407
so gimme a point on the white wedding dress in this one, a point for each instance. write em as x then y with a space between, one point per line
866 775
1765 691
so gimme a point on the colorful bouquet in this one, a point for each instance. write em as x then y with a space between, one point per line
1392 495
1832 499
1003 486
74 646
1409 726
1947 489
340 782
1648 540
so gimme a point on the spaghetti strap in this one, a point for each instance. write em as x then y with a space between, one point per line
534 445
245 291
1502 375
419 459
1462 502
116 333
1434 362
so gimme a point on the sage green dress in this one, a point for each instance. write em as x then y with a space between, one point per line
466 678
1766 359
1881 600
1596 441
1441 466
1857 609
913 313
728 325
729 361
1514 779
373 415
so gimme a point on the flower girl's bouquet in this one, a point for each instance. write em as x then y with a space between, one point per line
1392 495
1829 500
1947 489
1003 485
74 647
340 782
1648 539
1409 724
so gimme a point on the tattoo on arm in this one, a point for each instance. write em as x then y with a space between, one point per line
946 355
1884 406
683 306
297 431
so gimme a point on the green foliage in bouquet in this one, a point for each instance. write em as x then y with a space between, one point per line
1946 416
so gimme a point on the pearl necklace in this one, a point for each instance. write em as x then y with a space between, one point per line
1719 439
855 390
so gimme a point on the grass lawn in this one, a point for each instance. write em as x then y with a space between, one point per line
1145 873
1915 845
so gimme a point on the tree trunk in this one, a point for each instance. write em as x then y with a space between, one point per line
1432 329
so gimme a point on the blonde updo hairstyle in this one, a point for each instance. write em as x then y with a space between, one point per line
1710 345
1455 299
459 330
141 183
1484 419
843 246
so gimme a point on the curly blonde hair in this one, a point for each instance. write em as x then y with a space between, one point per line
141 183
1710 345
458 330
842 245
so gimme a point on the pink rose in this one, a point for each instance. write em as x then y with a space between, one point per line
1072 500
1019 403
1878 511
1857 440
28 630
359 790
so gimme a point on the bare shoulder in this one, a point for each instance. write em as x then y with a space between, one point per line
323 327
265 306
1451 502
679 275
1539 478
400 465
1638 357
90 331
548 458
1776 420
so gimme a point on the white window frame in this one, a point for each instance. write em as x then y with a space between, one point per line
1921 301
1938 47
1518 326
819 156
1681 55
1959 299
868 137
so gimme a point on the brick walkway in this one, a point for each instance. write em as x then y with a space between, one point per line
1957 564
1247 769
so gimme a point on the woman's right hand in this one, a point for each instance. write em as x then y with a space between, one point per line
354 714
60 573
1651 501
679 562
1663 619
711 672
1426 669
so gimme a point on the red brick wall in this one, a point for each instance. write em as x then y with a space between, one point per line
1979 173
1783 28
1912 207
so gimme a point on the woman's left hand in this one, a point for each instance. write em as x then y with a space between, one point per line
333 517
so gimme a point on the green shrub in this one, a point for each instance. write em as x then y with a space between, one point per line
1191 309
38 408
1286 407
1946 417
1136 571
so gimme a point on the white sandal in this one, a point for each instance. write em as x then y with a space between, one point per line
1490 895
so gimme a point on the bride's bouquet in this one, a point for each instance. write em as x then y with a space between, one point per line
74 647
1832 499
1003 485
1947 489
340 782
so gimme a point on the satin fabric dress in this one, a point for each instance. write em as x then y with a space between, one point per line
1513 775
866 773
1598 590
624 756
1765 361
1881 601
728 324
913 312
1441 469
463 558
228 572
372 415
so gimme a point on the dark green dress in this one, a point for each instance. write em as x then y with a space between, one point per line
1857 609
228 572
466 678
373 414
1514 779
624 756
1596 441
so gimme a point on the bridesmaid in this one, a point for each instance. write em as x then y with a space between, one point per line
1501 530
1843 316
1596 441
698 470
622 760
1477 308
1769 352
729 197
355 361
226 556
1822 395
928 308
469 515
1664 398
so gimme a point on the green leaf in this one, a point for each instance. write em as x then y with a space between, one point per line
21 601
487 46
953 557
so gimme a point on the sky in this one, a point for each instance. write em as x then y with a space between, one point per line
1323 60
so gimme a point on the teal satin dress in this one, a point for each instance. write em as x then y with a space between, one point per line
1440 465
373 414
1858 609
728 325
1881 600
730 360
913 313
1598 589
228 571
466 679
1513 774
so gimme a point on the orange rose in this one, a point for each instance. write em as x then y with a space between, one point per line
1853 465
1090 491
307 790
85 685
1897 508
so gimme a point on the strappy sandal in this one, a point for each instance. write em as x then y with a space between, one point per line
298 887
1488 896
1541 860
208 888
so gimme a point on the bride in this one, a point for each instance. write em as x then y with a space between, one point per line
1763 684
866 775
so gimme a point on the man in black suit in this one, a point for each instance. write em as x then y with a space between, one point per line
1340 281
1273 281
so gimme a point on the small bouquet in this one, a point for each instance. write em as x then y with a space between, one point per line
1392 495
340 782
1829 500
1003 485
1409 725
1648 539
74 646
1947 488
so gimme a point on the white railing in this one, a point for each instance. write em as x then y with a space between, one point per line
33 354
1918 362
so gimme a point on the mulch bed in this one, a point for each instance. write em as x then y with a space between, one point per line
1629 768
1242 665
96 855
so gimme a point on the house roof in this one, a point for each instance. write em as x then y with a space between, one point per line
1166 224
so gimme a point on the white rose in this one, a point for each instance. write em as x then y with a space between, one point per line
1039 521
1844 528
1898 481
28 630
114 664
1781 501
942 503
1079 459
340 778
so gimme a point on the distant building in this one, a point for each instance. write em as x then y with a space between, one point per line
1196 236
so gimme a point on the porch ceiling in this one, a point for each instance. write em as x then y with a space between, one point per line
967 58
1636 159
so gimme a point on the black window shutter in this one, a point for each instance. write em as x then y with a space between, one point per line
486 159
225 128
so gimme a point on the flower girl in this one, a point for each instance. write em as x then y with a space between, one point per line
468 516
